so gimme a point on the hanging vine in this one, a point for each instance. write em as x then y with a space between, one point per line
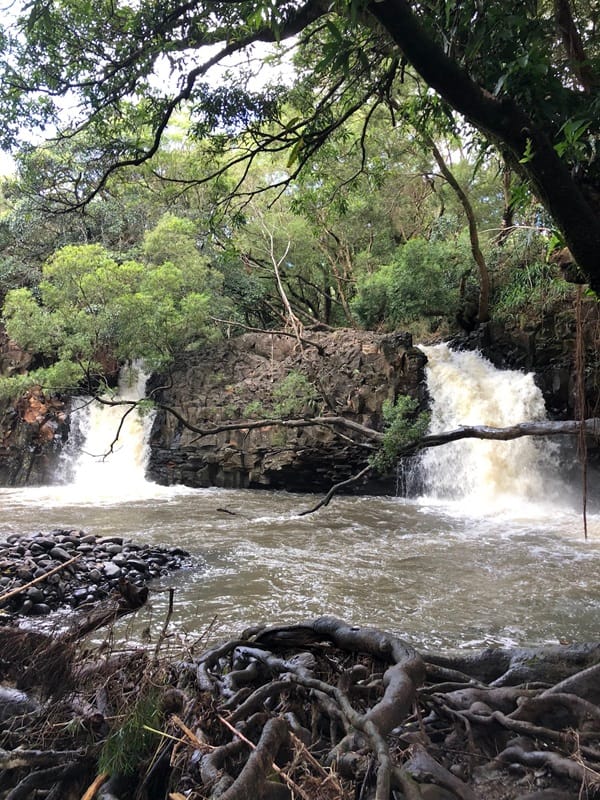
580 403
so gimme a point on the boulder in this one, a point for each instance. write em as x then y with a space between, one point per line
345 373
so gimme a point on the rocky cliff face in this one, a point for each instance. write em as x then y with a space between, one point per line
345 373
33 431
31 437
548 347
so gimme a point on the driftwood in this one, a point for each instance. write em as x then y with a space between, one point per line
20 589
317 711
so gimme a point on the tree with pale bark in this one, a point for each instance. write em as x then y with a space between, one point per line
524 75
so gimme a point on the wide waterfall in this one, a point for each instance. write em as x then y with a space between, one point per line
481 558
107 452
481 477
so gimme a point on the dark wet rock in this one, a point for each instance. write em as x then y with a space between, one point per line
35 594
104 540
60 554
47 544
347 373
102 563
80 595
138 565
112 570
40 610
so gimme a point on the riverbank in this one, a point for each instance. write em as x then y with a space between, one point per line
319 711
42 572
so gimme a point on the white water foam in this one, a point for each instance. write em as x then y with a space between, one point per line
107 453
477 477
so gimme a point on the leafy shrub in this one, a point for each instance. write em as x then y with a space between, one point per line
525 281
421 281
254 409
403 427
59 377
295 395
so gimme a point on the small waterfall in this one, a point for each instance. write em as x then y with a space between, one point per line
483 476
108 447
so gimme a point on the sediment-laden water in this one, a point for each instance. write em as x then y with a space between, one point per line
496 556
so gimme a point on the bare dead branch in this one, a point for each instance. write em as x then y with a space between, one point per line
334 490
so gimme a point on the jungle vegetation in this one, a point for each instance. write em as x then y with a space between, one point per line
384 165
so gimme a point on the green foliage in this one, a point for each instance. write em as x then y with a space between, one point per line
90 304
526 284
295 396
533 69
421 281
15 272
255 409
130 743
403 428
55 379
531 290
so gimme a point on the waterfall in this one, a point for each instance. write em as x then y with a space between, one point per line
483 476
108 446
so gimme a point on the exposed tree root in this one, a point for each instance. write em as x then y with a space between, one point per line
318 711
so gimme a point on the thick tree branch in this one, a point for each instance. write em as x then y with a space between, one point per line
573 44
590 427
506 123
546 428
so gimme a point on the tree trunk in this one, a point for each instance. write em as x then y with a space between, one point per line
509 126
483 313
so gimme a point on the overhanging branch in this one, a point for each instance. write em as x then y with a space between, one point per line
591 427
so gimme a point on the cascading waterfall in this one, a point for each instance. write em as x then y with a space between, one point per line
108 445
483 476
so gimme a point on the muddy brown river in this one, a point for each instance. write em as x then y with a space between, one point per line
491 552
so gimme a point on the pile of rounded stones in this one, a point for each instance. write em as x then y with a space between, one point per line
89 568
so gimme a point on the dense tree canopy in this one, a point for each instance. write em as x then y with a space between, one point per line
90 310
525 75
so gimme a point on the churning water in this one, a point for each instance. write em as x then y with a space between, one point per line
485 476
492 552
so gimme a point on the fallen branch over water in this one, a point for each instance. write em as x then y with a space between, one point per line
590 427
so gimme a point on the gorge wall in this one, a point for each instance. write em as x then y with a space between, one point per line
32 431
343 373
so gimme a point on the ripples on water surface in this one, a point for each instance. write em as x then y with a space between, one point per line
487 567
428 572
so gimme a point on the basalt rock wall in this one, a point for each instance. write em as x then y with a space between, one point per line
32 431
342 373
